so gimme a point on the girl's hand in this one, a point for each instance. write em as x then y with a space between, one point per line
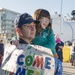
15 42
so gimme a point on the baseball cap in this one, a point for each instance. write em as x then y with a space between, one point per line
24 19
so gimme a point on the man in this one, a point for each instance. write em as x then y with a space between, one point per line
25 28
26 59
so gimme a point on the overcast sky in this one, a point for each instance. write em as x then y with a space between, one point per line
30 6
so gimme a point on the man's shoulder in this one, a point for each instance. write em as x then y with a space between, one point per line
9 46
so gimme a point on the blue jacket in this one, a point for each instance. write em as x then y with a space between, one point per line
45 39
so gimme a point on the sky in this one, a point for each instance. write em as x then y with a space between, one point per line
29 6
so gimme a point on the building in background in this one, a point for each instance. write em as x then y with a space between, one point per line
67 27
7 18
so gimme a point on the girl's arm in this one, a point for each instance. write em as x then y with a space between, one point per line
51 43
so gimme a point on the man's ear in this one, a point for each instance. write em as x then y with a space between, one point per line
18 30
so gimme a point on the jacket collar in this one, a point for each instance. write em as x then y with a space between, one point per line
21 41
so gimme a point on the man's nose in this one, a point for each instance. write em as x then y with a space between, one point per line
32 28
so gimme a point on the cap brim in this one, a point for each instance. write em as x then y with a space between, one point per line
30 21
36 21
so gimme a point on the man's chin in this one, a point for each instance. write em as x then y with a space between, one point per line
32 37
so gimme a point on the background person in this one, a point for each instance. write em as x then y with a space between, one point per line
1 51
73 54
1 55
59 47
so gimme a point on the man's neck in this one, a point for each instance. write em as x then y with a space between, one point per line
26 40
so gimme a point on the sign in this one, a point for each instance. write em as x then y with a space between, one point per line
28 60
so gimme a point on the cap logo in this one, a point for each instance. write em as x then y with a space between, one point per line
28 18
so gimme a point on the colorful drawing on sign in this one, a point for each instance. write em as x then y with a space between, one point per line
29 60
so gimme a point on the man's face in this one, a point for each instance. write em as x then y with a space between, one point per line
28 31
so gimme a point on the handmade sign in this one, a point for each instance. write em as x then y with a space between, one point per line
28 60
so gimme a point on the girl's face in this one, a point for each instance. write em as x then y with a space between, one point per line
44 21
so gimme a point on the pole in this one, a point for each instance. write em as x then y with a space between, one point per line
61 19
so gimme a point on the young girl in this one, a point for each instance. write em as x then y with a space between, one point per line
44 33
